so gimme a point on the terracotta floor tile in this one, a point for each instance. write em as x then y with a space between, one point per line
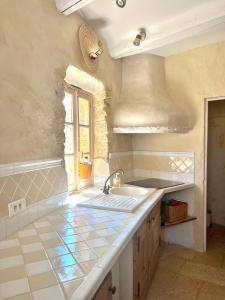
163 284
200 277
204 272
186 254
211 291
215 244
172 263
212 258
186 287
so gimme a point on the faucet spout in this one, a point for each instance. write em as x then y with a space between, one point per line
106 187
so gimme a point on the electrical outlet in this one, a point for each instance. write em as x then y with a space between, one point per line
16 207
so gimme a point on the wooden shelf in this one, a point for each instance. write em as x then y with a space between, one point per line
188 219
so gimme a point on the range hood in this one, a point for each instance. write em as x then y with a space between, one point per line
145 105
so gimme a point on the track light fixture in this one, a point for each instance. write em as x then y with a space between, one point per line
121 3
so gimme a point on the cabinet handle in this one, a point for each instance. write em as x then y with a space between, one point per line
112 290
138 290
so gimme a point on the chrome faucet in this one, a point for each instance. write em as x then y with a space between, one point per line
107 186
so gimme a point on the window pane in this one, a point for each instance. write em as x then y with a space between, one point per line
69 139
83 111
68 104
84 140
69 162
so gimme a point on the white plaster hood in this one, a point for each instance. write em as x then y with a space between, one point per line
145 105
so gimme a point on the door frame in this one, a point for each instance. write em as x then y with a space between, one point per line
76 91
206 124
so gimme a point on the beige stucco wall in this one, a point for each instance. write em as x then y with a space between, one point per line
36 46
216 161
191 76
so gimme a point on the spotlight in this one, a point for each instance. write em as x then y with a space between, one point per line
121 3
139 37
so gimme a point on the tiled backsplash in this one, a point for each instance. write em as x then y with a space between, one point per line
168 165
41 187
33 186
122 160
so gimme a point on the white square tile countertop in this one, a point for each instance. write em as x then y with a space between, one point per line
68 253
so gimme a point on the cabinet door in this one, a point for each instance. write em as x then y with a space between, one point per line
155 223
145 253
149 247
105 290
140 265
155 228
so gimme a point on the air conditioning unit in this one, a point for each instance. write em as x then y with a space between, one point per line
67 7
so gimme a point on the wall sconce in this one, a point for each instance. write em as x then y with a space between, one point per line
91 47
96 50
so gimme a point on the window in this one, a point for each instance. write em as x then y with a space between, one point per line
78 138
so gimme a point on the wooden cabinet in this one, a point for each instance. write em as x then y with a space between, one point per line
106 290
146 253
155 224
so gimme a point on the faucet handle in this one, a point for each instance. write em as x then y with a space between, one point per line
106 189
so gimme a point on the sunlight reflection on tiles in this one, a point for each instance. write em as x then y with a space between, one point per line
69 273
62 261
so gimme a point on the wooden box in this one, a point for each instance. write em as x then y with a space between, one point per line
176 211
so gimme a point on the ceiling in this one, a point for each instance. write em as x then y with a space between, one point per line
172 26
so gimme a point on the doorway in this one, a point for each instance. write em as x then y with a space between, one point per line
214 185
78 153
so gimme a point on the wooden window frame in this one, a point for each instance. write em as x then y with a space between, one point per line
76 93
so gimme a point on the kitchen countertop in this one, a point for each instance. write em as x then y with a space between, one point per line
69 252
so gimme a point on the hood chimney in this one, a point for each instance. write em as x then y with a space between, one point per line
145 105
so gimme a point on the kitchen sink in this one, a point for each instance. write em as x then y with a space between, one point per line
125 199
129 191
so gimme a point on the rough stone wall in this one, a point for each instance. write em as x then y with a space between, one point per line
100 128
36 45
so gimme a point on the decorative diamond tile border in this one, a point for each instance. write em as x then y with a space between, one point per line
34 186
179 162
